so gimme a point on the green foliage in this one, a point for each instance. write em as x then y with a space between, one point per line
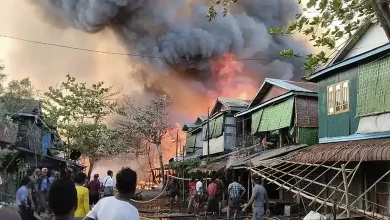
336 20
185 165
80 112
3 154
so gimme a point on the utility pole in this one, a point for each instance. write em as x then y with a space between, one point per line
382 12
177 142
208 131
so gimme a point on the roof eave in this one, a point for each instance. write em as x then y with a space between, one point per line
276 99
345 63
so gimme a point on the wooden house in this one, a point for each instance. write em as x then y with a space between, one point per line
281 113
222 126
354 123
194 132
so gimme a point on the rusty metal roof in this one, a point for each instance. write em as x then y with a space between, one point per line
367 150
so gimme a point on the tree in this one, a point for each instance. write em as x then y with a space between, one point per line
12 98
332 26
151 122
80 112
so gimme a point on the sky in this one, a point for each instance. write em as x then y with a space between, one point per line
47 65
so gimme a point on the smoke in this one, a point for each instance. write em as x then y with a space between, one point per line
180 52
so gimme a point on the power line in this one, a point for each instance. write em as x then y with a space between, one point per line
148 56
122 54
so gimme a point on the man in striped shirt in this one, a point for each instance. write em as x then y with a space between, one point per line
235 191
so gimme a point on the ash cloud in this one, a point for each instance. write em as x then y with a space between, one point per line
178 33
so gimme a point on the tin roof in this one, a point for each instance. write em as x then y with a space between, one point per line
285 84
367 150
230 104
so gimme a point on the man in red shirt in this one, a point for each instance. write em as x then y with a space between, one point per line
212 201
94 189
191 187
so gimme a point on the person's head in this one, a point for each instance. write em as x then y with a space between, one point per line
235 177
126 181
9 214
25 181
256 179
56 175
80 178
110 173
44 171
193 179
213 178
96 177
63 198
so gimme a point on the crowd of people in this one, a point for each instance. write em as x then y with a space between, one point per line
212 196
75 198
72 199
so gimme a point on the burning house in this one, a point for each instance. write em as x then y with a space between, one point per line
194 134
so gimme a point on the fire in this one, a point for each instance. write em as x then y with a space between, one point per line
233 80
242 96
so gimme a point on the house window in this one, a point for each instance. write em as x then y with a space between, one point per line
338 98
330 100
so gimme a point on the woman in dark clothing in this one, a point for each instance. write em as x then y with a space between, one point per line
174 189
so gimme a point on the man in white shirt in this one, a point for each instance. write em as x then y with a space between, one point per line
199 194
118 207
108 185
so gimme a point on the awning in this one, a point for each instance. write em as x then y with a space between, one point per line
60 159
216 166
265 155
276 116
367 150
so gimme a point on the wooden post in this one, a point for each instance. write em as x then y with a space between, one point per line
243 132
365 195
280 138
335 208
177 142
346 189
207 132
249 186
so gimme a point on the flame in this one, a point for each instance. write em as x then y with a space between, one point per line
233 80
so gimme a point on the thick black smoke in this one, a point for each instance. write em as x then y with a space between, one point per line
176 40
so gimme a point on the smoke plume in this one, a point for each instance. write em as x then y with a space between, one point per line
182 54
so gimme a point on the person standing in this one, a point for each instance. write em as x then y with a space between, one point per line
82 197
199 194
22 197
94 188
235 191
32 196
108 184
212 201
258 198
118 206
174 190
62 199
43 187
191 187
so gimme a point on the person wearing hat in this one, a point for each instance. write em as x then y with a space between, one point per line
259 197
94 189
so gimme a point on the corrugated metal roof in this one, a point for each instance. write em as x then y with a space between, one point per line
368 150
236 103
292 86
265 155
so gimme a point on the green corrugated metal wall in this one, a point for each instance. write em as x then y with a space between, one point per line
308 136
340 124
